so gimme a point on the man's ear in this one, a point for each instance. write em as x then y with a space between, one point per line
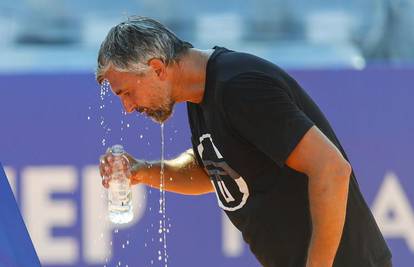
159 67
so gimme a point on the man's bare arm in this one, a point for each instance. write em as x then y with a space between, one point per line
329 175
181 175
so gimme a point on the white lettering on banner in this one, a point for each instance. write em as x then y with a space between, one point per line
11 176
97 230
392 200
232 240
41 213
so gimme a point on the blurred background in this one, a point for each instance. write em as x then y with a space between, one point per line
41 34
355 58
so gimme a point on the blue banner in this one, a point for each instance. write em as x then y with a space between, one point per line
16 248
55 127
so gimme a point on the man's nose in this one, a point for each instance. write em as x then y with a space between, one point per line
128 107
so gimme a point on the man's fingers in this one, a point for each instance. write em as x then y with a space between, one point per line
102 164
104 170
109 158
105 183
106 162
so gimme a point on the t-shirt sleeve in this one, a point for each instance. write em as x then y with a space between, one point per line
264 114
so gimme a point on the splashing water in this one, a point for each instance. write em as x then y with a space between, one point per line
105 88
163 229
164 225
104 96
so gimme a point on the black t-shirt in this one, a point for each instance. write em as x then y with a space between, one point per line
251 118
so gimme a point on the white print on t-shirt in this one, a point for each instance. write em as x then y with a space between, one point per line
231 189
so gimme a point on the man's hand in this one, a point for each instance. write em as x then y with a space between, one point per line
105 168
329 175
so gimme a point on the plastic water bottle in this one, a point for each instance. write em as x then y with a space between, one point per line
119 191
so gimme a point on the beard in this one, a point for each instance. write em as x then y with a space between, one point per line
160 114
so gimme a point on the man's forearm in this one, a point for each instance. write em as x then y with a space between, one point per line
181 175
328 194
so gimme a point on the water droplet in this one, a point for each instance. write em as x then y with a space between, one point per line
127 125
123 245
141 136
89 118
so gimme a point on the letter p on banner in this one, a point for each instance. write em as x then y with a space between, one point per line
16 247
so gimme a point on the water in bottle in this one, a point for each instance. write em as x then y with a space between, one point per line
119 191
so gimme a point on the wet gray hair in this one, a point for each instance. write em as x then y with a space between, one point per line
130 44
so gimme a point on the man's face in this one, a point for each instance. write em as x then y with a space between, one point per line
145 93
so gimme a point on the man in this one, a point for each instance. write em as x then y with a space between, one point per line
259 142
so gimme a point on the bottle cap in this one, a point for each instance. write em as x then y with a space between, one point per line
117 150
